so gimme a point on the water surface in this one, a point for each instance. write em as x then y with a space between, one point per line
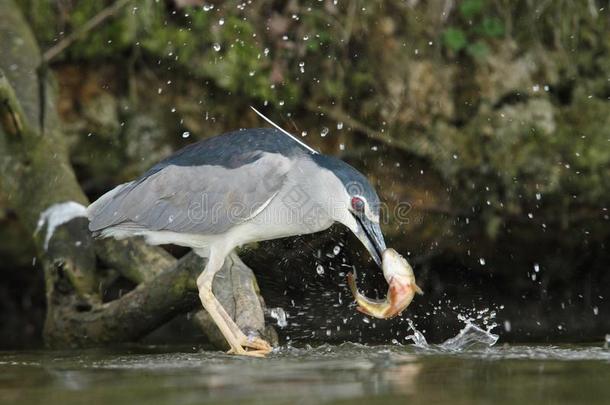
347 373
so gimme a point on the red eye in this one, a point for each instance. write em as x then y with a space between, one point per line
357 204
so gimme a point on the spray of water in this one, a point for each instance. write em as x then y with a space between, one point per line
417 337
470 337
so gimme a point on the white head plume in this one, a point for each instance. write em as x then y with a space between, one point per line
284 131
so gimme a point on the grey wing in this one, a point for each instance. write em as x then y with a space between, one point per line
192 199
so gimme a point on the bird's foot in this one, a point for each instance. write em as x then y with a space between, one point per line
250 346
257 344
252 353
255 347
252 341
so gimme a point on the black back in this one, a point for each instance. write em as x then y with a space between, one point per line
232 150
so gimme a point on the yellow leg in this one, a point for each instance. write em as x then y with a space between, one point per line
237 340
245 341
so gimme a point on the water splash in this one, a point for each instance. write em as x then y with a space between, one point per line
417 337
470 337
280 316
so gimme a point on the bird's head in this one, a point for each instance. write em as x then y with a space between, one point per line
357 205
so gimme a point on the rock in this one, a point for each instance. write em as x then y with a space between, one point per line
509 71
101 112
145 141
423 96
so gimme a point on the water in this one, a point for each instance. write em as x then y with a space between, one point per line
347 373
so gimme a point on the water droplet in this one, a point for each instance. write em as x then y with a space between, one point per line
339 125
482 261
538 196
221 21
208 7
281 102
536 267
320 270
186 134
324 132
280 316
336 250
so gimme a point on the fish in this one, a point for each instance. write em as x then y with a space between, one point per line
402 288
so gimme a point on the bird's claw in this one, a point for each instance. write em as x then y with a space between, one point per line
257 344
255 347
251 353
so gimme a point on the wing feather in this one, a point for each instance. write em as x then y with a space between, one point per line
204 199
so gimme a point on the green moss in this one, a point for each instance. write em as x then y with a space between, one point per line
42 16
582 141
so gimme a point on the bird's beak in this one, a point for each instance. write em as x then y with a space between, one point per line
371 237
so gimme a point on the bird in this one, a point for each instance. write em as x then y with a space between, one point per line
248 185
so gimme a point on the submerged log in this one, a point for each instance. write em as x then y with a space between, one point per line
40 185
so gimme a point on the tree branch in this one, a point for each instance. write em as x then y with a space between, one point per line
128 318
80 32
341 116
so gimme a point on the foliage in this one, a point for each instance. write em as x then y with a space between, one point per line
473 28
380 63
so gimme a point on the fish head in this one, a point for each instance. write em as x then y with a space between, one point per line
395 266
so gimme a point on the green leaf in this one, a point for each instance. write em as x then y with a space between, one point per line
491 27
454 39
477 50
471 8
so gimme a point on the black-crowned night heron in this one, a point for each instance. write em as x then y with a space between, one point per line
237 188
